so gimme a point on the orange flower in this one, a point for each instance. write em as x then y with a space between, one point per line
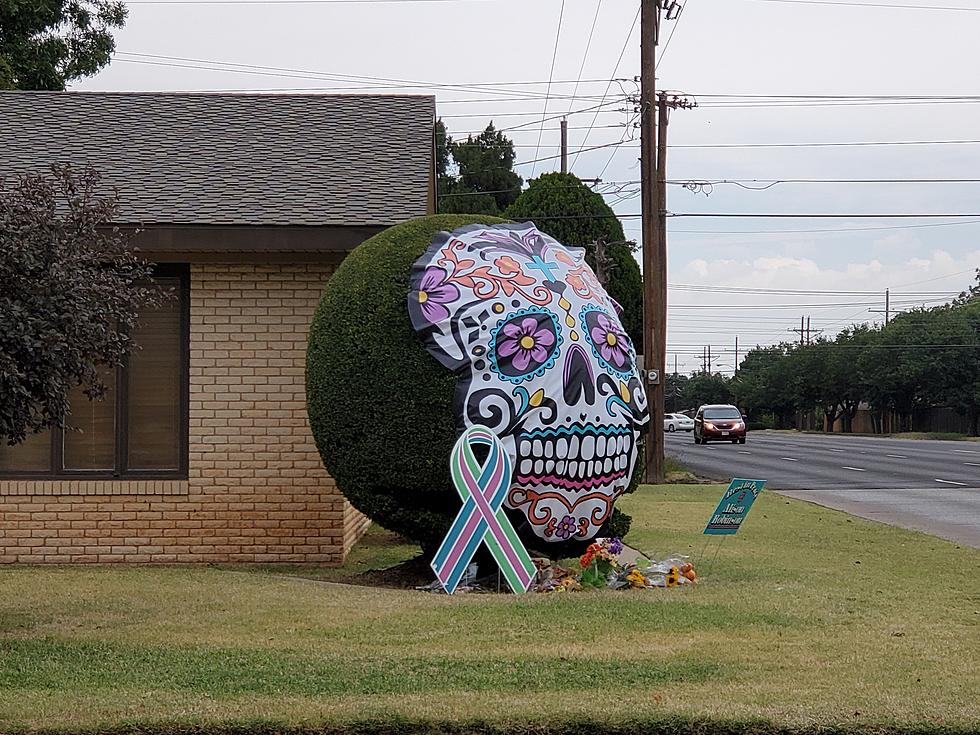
507 265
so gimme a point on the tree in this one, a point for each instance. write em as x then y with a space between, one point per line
70 291
850 382
706 388
565 208
764 385
45 44
674 393
485 183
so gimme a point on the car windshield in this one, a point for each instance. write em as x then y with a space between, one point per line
722 413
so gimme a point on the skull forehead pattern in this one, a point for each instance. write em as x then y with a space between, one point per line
544 362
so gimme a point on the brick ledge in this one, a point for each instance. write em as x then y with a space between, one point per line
94 487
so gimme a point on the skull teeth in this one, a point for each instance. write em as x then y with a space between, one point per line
588 457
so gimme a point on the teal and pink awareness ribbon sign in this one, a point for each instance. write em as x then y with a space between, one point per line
483 487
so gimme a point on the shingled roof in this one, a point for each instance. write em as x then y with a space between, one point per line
233 159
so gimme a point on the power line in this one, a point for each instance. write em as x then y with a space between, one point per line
796 291
585 54
544 113
847 3
289 2
815 215
619 61
769 183
677 22
375 82
580 150
825 145
824 230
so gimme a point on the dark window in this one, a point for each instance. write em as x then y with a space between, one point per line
139 429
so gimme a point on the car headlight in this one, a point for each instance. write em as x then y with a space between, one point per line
709 425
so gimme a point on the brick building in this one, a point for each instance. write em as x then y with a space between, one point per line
202 451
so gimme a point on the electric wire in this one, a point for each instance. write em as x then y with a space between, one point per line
612 76
585 54
544 113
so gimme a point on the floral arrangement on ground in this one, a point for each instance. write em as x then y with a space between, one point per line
608 563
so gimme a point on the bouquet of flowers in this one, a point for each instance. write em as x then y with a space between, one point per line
603 565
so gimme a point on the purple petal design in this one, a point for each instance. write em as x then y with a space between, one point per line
599 335
538 353
432 278
513 331
529 325
434 313
522 360
507 347
442 294
544 338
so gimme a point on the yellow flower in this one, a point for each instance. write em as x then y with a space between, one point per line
636 579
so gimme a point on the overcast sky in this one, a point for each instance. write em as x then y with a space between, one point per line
718 47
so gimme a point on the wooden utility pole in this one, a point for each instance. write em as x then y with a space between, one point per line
564 146
654 250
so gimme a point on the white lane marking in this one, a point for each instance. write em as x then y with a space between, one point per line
896 456
742 451
965 451
951 482
790 459
835 450
972 464
856 469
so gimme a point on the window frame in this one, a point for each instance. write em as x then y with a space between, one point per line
121 471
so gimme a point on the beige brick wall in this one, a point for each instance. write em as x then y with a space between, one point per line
256 490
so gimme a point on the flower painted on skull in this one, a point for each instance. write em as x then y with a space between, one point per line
611 340
610 344
525 342
565 527
507 266
525 345
543 362
433 295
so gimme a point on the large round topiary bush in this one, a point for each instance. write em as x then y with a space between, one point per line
381 407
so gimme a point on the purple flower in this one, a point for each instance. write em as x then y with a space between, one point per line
526 341
615 546
434 293
566 527
610 339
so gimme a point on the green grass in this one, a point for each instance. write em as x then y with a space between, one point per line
940 435
808 619
944 435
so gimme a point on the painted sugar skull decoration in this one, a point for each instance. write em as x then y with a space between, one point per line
544 363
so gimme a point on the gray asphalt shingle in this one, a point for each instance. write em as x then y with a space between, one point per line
233 159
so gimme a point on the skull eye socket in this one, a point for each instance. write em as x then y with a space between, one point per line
525 345
610 343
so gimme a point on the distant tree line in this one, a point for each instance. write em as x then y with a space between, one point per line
921 359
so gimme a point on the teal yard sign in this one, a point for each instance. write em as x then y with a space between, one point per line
734 506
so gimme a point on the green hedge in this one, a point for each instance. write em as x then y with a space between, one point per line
380 406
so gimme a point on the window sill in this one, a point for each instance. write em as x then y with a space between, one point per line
93 487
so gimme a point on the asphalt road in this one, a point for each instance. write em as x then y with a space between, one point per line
930 486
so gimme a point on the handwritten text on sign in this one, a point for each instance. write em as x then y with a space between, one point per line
734 506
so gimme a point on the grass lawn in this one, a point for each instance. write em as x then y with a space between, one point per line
807 619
